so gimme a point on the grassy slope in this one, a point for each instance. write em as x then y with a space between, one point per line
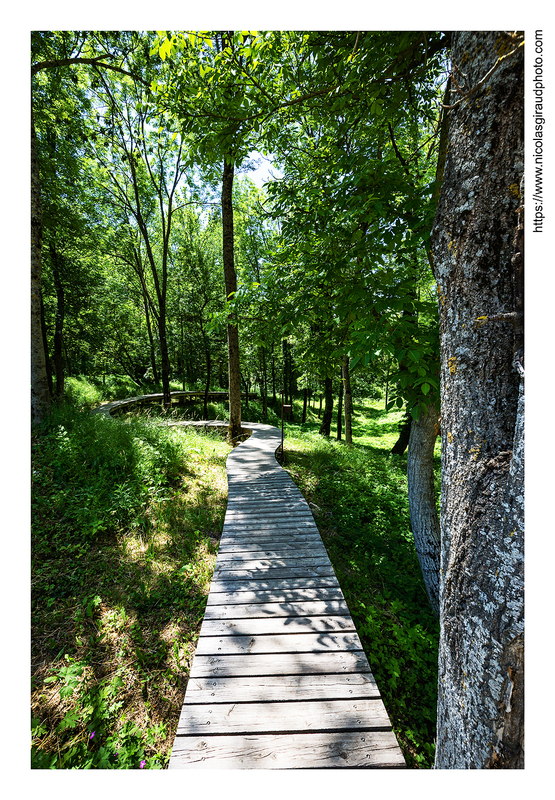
360 504
126 520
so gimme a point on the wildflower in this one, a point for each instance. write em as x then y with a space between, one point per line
92 735
142 765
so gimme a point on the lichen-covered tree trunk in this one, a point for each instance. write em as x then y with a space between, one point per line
477 254
424 520
230 279
40 392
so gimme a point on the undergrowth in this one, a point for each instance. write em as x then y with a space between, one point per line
126 517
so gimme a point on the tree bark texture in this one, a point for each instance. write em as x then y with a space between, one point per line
41 399
348 400
230 279
477 256
424 520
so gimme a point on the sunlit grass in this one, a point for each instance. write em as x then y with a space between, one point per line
126 522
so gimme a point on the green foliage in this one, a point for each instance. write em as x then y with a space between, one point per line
93 734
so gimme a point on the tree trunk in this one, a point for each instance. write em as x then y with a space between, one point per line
348 401
404 436
285 382
45 345
325 427
165 365
477 256
59 322
208 374
340 409
230 279
155 377
264 386
305 403
274 397
424 519
41 399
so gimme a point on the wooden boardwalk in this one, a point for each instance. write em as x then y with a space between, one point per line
279 679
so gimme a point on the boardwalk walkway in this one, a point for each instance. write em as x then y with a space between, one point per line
279 678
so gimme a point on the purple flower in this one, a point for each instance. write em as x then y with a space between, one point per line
142 764
92 735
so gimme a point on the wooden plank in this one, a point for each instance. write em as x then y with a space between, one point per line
328 641
280 664
270 547
307 608
275 625
378 750
260 515
275 596
277 503
281 687
233 587
284 717
237 527
278 572
270 563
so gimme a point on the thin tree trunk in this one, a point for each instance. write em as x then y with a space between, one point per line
208 374
305 403
45 345
325 427
165 355
291 377
41 399
477 257
230 279
155 376
59 322
404 436
424 518
348 401
264 385
274 397
285 382
340 409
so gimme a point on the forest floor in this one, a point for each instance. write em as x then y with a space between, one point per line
126 519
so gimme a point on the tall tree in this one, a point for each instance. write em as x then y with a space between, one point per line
478 263
54 51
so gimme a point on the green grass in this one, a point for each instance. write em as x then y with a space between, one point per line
127 516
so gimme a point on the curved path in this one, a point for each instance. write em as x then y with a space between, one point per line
279 677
